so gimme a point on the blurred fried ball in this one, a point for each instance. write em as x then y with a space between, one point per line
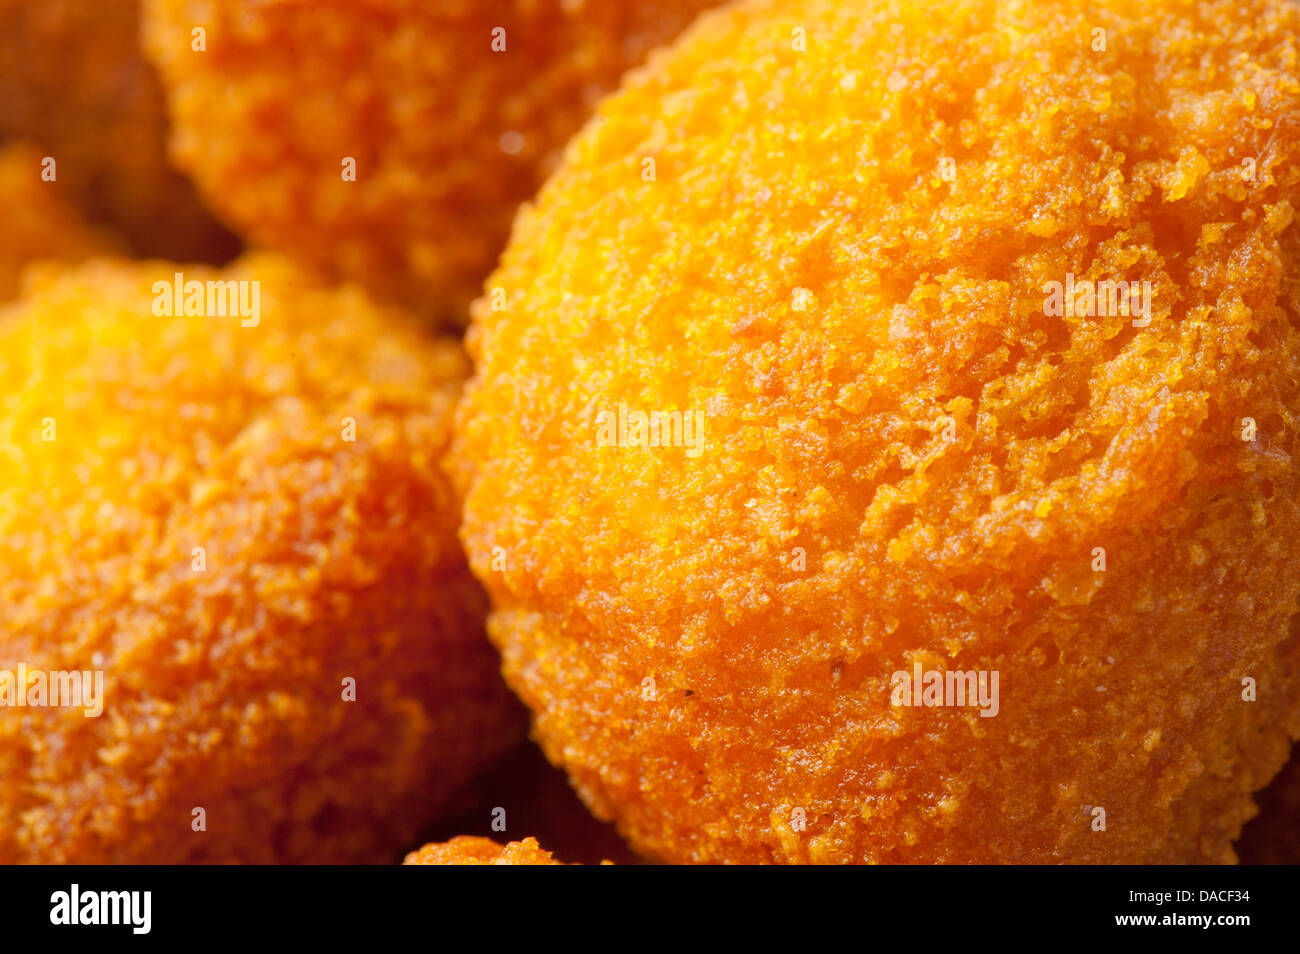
242 523
40 223
446 115
73 79
892 454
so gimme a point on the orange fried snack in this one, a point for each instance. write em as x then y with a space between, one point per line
837 503
225 538
389 141
73 79
466 850
39 221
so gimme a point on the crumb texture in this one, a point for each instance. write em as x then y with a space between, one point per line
842 260
181 507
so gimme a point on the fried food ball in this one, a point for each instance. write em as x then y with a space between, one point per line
881 448
1273 836
467 850
73 79
241 522
40 222
390 141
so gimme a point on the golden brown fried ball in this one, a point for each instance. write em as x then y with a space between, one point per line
40 223
467 850
909 459
73 79
244 526
451 112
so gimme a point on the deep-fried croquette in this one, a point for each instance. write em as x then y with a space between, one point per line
468 850
818 526
240 521
39 221
73 79
445 116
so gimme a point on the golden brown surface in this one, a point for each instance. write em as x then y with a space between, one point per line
466 850
40 223
325 559
414 93
73 79
917 467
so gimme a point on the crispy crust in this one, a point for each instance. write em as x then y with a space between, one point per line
907 461
324 559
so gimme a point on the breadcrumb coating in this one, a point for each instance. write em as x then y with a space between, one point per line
911 460
246 529
39 222
468 850
74 80
449 132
